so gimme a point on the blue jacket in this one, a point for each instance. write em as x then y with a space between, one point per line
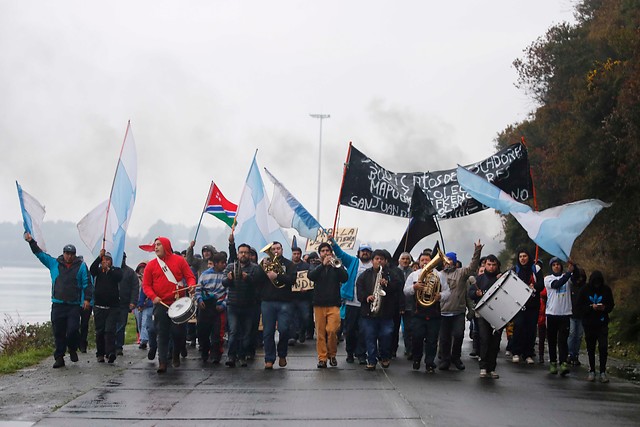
69 284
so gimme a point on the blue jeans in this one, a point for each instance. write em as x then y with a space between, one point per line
575 337
65 321
240 320
377 335
148 327
272 312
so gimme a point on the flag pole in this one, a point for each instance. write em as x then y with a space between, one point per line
106 220
203 209
533 187
344 173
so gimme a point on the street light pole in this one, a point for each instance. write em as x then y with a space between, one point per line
321 117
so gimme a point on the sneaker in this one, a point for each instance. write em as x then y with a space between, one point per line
515 359
507 354
458 364
59 363
430 369
385 363
603 377
162 368
292 342
73 356
333 361
100 359
530 360
143 346
483 373
282 362
152 353
591 377
232 363
494 375
111 358
268 365
443 366
473 355
244 362
553 368
176 360
302 339
416 365
564 369
370 367
322 364
362 360
119 352
350 358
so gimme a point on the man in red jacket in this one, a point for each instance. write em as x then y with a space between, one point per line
163 277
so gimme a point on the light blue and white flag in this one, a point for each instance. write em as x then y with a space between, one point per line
32 216
106 225
554 229
254 225
289 212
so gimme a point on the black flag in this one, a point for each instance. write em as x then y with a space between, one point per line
421 225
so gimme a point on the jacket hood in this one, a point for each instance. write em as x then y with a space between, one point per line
166 244
596 279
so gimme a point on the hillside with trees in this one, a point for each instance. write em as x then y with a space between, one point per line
583 140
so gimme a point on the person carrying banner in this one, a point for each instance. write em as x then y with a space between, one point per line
106 305
454 308
327 278
160 284
70 292
241 282
277 278
425 321
378 293
350 308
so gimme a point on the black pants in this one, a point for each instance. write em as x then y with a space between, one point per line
407 333
106 320
65 321
165 330
525 325
557 336
489 345
425 336
209 324
85 316
354 338
600 335
123 318
451 336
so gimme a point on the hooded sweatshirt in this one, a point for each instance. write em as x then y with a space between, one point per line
595 292
154 281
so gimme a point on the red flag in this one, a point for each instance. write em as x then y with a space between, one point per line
220 207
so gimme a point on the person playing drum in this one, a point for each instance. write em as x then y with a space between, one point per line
160 284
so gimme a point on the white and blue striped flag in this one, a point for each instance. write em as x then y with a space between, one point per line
554 229
32 216
289 212
106 225
254 225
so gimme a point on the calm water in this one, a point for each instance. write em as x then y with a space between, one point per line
25 294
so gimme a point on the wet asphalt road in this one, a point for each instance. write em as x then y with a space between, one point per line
301 394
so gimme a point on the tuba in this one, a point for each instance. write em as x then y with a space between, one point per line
272 264
426 296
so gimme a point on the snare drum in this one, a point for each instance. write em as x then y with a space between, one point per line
182 310
503 300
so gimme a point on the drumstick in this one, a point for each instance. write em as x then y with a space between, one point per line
164 304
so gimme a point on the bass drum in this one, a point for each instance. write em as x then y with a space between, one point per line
503 300
182 310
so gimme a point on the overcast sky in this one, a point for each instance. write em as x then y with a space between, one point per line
416 85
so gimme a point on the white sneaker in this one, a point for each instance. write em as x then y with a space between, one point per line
530 361
507 354
603 377
591 377
515 359
494 375
483 373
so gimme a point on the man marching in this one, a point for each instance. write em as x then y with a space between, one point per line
160 283
70 291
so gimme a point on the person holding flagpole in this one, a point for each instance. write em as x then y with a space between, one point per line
70 291
160 284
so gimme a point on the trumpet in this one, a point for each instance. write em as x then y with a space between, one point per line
335 262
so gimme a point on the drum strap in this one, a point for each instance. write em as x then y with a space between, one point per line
167 272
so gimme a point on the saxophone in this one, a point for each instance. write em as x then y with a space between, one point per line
378 293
